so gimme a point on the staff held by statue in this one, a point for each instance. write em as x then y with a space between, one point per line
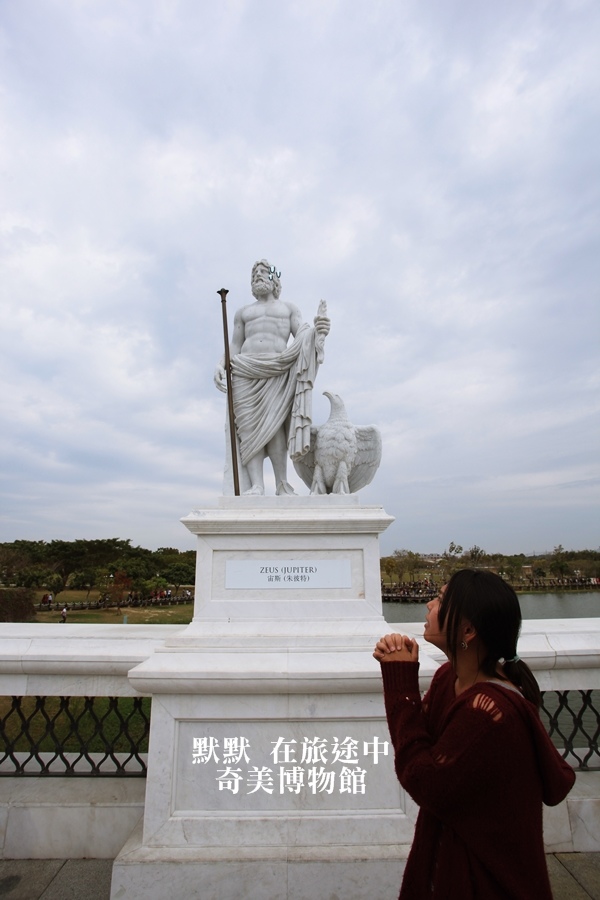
234 462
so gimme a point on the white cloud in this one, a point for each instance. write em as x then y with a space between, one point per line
429 170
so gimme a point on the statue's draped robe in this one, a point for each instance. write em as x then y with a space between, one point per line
271 393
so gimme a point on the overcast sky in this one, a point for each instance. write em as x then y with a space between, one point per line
430 168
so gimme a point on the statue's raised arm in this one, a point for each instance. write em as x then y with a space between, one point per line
272 382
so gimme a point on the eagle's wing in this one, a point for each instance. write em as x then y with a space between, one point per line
305 465
367 459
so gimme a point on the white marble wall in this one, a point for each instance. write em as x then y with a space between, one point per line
58 818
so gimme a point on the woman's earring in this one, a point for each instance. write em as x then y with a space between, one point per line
464 645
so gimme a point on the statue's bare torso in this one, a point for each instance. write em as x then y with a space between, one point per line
263 328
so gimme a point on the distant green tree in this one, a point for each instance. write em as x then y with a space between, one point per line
55 584
449 561
66 557
30 577
408 561
558 563
80 581
179 573
33 551
13 561
387 567
476 555
137 568
119 585
399 557
102 579
414 564
155 584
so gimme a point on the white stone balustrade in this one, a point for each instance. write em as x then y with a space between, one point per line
45 817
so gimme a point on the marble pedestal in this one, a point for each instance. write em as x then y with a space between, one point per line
270 773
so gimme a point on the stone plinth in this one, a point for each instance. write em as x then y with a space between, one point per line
247 534
270 772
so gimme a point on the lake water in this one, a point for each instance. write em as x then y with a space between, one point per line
533 606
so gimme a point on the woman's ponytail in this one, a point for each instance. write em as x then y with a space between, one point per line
519 673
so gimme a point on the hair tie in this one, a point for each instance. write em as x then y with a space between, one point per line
515 659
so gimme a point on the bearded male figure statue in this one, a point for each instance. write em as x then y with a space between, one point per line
272 383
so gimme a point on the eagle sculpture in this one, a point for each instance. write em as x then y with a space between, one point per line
342 458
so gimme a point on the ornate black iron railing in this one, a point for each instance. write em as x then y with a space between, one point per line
572 719
74 736
108 736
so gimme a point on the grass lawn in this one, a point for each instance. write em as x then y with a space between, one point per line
136 615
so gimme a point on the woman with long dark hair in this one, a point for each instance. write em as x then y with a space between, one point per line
473 752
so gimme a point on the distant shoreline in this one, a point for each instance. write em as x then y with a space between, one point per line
390 595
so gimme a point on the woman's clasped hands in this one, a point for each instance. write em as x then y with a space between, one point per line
396 648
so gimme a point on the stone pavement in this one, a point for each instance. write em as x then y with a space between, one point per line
574 876
55 879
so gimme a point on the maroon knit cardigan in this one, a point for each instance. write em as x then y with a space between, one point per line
479 766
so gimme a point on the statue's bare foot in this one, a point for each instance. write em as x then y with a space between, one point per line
284 488
255 491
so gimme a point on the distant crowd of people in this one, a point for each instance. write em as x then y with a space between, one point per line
421 591
415 591
571 581
47 603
